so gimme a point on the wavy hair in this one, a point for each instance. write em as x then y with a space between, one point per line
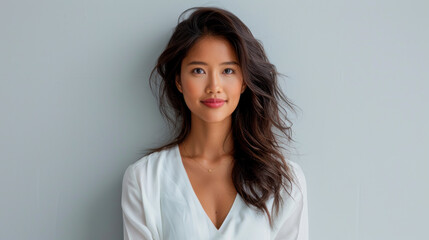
260 119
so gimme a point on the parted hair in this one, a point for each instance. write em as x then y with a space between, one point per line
260 123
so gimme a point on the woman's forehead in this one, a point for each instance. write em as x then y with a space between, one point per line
211 49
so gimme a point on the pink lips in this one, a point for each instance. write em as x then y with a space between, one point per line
213 102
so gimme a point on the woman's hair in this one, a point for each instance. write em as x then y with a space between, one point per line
260 169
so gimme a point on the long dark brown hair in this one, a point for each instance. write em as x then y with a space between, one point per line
260 119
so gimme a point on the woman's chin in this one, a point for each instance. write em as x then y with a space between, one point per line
213 119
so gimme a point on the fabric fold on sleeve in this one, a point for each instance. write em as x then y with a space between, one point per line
134 220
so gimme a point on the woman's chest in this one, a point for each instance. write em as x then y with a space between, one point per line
216 195
184 217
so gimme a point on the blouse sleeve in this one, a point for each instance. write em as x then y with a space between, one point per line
296 225
134 219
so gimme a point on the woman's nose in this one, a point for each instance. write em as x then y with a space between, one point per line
213 85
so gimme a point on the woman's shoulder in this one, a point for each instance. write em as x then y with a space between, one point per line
299 184
294 198
296 169
150 163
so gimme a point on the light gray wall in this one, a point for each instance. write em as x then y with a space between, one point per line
76 110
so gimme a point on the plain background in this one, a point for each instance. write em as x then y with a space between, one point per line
76 110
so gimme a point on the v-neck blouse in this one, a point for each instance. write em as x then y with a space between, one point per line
159 203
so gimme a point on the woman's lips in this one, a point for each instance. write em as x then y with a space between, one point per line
213 102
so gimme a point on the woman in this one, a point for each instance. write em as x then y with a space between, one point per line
223 176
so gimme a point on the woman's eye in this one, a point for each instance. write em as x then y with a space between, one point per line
198 71
229 71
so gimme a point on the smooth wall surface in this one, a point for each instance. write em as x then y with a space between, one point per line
76 110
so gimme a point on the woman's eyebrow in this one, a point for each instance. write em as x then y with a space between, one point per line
203 63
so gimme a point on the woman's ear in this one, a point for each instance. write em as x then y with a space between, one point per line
178 85
243 87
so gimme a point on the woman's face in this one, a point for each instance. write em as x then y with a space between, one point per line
211 79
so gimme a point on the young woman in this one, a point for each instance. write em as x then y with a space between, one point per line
223 176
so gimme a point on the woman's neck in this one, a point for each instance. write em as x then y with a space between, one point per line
209 141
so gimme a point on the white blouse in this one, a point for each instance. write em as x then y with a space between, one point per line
158 202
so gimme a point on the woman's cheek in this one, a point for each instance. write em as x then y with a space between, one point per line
194 88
